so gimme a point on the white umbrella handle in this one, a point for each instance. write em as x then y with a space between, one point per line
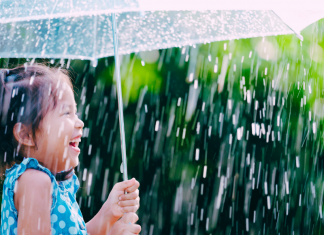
119 96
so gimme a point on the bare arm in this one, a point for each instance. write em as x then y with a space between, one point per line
33 202
100 224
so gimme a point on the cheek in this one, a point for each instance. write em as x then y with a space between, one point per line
59 129
66 133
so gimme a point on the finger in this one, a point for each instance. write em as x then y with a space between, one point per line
122 186
135 228
129 196
133 187
130 217
133 202
130 208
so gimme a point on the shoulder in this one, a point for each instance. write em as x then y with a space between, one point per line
33 185
34 179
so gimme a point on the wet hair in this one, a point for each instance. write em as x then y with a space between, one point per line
27 94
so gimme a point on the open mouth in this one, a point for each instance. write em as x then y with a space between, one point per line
74 144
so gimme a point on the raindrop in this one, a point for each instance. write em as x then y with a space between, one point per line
121 168
314 127
179 101
205 171
89 150
84 177
184 133
197 155
247 224
68 64
191 77
196 84
157 123
22 111
268 202
215 68
31 80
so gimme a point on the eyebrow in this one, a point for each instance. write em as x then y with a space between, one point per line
69 105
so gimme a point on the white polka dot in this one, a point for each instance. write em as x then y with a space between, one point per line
11 221
5 225
15 231
4 204
72 218
53 218
62 224
75 206
53 231
7 213
61 209
73 230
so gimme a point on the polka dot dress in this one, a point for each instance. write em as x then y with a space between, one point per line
66 217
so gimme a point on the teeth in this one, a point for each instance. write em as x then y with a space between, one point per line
75 141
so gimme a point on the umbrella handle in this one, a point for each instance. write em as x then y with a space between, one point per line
119 96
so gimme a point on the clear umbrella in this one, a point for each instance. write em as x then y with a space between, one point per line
88 29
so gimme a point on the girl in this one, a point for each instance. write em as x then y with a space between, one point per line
41 131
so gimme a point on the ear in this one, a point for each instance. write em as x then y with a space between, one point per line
22 135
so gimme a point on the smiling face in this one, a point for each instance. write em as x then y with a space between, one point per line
59 134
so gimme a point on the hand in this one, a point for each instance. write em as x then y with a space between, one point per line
126 225
119 203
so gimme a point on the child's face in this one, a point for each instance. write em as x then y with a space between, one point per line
60 134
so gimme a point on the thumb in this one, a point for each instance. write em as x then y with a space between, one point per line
129 218
122 186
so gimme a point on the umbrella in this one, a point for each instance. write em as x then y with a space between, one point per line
88 30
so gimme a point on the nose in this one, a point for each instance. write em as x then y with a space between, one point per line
79 123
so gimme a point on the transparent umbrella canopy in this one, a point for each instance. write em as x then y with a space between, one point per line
78 29
83 29
90 36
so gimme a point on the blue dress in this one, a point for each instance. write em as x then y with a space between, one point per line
66 217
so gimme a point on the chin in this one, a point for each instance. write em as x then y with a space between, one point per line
74 162
71 162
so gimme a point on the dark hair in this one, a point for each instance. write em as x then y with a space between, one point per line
27 94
